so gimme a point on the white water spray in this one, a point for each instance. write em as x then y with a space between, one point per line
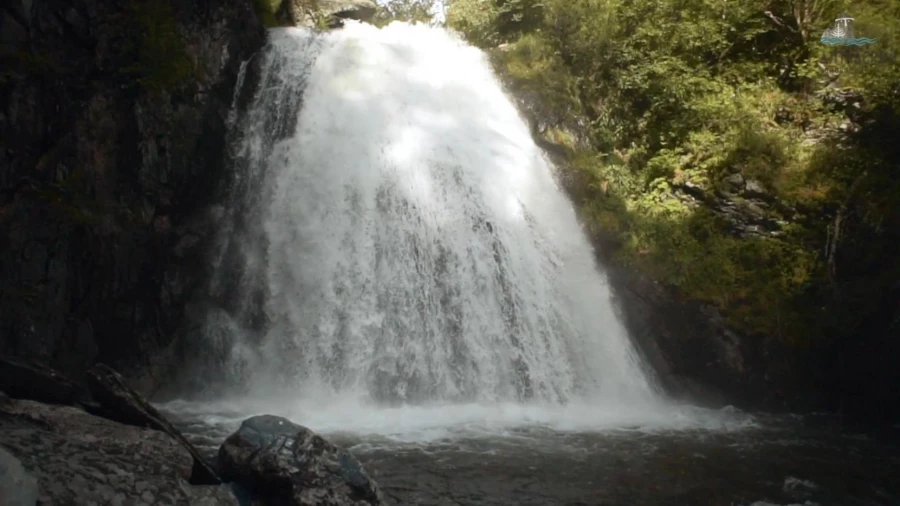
411 243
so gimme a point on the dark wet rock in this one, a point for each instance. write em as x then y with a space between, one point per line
78 458
745 204
17 486
755 189
106 395
39 383
734 182
285 463
120 403
845 100
699 358
99 173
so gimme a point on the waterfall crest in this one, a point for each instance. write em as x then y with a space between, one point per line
400 238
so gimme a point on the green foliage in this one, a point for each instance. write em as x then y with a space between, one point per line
477 19
536 67
267 10
681 94
161 60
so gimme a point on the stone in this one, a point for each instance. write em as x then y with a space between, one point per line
755 189
120 403
17 486
361 10
299 13
285 463
734 181
78 458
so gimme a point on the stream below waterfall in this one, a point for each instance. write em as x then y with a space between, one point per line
485 459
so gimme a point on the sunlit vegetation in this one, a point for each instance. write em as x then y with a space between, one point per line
719 154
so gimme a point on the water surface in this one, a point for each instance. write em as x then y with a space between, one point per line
488 456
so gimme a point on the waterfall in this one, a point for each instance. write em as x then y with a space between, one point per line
396 236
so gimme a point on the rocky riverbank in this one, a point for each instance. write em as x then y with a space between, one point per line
108 445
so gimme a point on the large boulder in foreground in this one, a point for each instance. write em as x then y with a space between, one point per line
286 463
120 403
107 395
78 458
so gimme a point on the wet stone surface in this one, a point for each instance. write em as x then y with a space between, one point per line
289 464
77 458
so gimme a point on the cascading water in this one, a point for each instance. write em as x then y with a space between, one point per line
404 240
399 271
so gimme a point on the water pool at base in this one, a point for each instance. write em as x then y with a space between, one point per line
514 455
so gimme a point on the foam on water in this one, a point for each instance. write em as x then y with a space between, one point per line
430 423
416 267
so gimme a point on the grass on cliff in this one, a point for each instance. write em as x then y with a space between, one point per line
678 97
160 59
267 11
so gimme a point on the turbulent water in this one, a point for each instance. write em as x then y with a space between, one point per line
408 237
399 270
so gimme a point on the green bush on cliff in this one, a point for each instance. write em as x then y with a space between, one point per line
679 97
161 60
267 11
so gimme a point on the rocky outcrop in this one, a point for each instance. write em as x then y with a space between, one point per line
118 402
745 204
698 358
113 119
286 464
314 12
77 458
108 445
106 396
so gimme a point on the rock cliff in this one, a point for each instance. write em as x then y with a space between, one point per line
113 117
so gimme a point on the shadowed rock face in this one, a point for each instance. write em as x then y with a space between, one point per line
78 458
286 463
105 183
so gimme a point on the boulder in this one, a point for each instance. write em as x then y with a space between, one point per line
120 403
78 458
285 463
302 12
362 10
